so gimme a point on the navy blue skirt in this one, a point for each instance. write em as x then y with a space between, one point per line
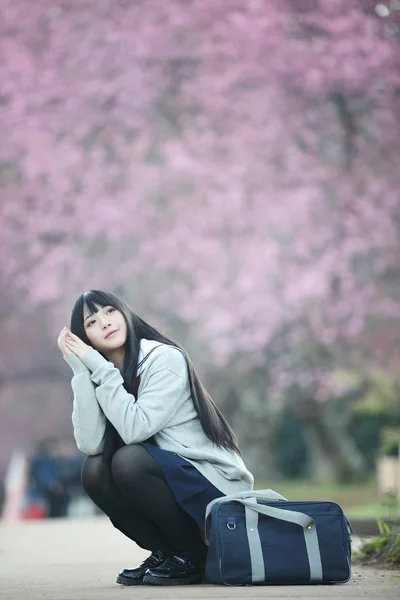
191 489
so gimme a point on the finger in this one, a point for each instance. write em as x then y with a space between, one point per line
61 341
73 336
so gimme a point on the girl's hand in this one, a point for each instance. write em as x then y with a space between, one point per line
61 342
75 345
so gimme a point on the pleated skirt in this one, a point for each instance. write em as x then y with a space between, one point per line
191 489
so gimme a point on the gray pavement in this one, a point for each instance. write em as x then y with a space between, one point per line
78 559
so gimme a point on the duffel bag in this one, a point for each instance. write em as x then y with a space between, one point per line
259 537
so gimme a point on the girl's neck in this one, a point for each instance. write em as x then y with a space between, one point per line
117 357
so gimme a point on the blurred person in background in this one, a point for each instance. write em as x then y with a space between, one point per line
46 485
70 462
158 448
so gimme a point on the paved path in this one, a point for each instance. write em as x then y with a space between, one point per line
78 559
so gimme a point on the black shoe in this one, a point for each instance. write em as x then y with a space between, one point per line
175 570
135 576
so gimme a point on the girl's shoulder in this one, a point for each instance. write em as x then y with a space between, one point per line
155 355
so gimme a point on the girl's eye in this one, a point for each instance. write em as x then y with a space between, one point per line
90 323
110 310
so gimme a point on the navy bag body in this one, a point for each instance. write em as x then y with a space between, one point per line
259 537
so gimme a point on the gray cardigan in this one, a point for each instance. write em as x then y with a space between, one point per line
164 409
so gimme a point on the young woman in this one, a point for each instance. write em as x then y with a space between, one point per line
158 449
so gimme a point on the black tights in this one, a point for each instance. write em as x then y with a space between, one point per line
133 493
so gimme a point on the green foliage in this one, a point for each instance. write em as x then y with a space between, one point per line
383 509
347 495
366 431
394 552
375 418
390 437
384 529
382 395
374 548
384 549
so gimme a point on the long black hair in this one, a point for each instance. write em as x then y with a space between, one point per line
213 422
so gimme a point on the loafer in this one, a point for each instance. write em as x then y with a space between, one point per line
135 576
175 570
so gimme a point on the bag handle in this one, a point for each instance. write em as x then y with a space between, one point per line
263 494
292 516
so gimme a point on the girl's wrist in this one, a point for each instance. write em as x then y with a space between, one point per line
75 363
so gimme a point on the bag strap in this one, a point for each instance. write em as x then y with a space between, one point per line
291 516
252 510
263 494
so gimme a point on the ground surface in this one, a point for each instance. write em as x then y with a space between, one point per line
78 559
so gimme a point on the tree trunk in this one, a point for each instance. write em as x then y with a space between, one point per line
333 453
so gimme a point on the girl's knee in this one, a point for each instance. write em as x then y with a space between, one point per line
94 473
130 463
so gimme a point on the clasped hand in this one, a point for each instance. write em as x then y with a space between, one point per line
70 343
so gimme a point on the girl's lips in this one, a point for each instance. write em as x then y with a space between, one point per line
111 333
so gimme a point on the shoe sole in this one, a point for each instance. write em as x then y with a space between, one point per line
151 580
128 581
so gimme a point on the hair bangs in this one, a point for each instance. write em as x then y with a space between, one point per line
95 298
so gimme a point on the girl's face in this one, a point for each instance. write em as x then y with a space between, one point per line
106 329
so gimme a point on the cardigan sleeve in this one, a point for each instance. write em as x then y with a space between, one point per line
157 403
88 420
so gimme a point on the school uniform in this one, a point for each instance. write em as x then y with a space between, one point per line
196 470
